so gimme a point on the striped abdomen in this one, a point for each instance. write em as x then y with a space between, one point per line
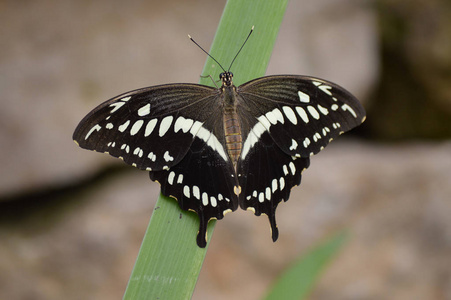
233 139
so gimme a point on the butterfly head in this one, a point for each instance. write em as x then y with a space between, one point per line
226 78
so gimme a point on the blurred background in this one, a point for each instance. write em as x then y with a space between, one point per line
71 221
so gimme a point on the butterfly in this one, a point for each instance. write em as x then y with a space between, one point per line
214 149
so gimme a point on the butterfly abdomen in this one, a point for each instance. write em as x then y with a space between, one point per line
232 131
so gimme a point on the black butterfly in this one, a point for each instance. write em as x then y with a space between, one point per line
213 149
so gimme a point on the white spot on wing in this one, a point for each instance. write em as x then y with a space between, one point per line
136 127
303 97
164 125
126 98
152 156
292 168
336 125
196 192
325 89
301 112
125 147
313 112
316 136
186 191
346 107
167 156
138 151
289 113
323 110
274 185
109 126
96 128
183 124
150 127
268 193
213 201
116 106
261 197
275 116
294 145
204 199
285 170
281 183
124 126
180 178
171 177
144 111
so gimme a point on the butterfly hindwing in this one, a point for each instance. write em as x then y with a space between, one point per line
302 114
202 182
266 178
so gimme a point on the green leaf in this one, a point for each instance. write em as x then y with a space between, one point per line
169 261
299 279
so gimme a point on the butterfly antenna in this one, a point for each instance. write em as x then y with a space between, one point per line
205 52
252 29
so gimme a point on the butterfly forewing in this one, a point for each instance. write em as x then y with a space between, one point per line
150 128
302 114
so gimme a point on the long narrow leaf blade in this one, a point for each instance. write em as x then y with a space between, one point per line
169 261
300 278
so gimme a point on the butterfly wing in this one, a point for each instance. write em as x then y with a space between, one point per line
203 181
150 128
168 131
302 114
267 177
285 119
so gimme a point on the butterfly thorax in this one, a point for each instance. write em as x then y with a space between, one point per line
232 128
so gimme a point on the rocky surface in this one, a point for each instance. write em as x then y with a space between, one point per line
392 200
